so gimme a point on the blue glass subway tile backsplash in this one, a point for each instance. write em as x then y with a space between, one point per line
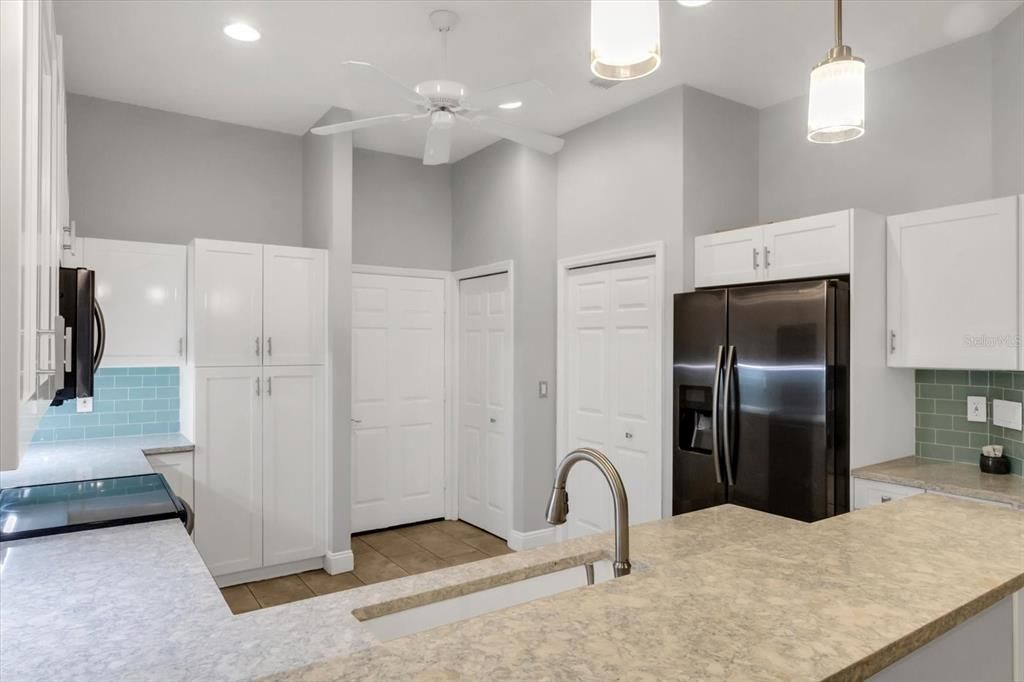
127 401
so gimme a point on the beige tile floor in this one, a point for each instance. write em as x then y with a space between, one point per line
379 556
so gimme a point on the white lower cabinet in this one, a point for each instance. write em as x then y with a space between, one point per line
869 493
177 468
259 434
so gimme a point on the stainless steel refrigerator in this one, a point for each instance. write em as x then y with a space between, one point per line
760 414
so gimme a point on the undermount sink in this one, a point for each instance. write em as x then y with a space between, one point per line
420 618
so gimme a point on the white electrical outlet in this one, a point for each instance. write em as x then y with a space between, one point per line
976 408
83 405
1006 413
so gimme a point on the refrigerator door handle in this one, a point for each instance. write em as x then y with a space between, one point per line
730 360
714 415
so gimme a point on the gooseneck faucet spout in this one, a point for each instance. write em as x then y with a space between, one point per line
558 505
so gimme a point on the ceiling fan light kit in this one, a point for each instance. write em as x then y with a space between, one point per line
625 38
446 102
835 107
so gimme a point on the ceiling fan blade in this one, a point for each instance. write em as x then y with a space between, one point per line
349 126
506 94
386 83
529 138
439 145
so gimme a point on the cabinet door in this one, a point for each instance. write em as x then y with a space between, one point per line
818 246
228 468
227 303
177 468
294 293
293 464
731 257
954 297
870 493
141 288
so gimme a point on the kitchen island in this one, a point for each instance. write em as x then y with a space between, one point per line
723 593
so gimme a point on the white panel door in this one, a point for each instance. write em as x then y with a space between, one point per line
294 510
294 308
731 257
227 303
398 386
611 348
485 414
141 288
818 246
228 468
938 316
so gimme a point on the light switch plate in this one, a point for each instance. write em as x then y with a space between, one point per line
1007 414
83 405
976 408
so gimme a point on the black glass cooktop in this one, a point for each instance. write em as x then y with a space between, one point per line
35 510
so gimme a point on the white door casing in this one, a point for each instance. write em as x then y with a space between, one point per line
609 381
227 303
294 305
398 400
485 402
294 510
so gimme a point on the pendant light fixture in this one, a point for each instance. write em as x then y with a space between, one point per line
835 108
625 38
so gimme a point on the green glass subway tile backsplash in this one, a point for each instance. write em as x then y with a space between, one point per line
127 401
943 431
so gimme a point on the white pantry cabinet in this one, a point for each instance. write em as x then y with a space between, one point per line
954 287
260 464
33 209
255 304
177 468
141 288
816 246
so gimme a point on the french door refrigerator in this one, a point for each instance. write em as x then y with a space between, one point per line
760 412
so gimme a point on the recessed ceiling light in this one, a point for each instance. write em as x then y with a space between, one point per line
693 3
243 32
510 105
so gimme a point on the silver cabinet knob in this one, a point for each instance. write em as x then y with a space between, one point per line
628 434
886 498
493 420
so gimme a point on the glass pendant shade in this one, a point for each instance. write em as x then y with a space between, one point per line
835 111
625 38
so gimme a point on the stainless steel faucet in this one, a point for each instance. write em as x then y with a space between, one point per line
558 505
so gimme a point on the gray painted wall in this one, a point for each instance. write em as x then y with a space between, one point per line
720 173
327 206
503 208
928 141
150 175
401 212
1008 105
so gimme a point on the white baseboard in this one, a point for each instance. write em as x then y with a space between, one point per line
534 538
339 562
268 572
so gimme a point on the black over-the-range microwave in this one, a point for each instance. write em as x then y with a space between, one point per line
84 332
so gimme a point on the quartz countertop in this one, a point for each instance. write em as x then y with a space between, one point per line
82 460
723 593
955 478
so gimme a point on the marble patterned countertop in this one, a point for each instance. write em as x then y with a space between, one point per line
723 593
81 460
955 478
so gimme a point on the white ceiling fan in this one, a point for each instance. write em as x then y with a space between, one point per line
444 102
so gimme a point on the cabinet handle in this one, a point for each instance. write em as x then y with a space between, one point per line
886 498
767 257
628 434
39 354
493 420
257 385
270 346
257 346
892 341
270 386
181 346
755 259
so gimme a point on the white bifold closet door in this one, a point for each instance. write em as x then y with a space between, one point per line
398 384
611 349
485 415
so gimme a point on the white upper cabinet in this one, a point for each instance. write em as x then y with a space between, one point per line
817 246
141 289
294 300
954 287
226 303
731 257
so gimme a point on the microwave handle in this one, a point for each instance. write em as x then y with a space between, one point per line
101 336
